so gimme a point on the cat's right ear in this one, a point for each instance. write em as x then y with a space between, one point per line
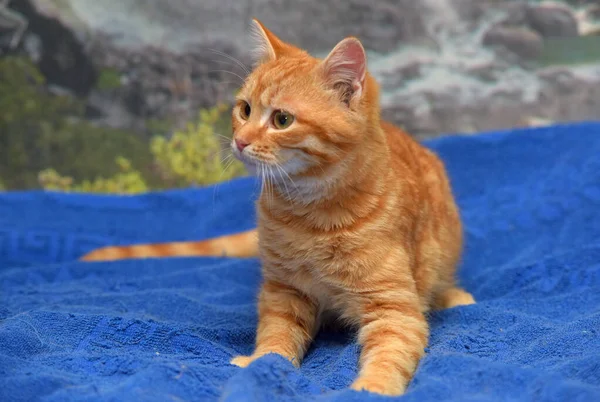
345 69
267 46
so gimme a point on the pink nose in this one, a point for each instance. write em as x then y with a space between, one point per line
240 144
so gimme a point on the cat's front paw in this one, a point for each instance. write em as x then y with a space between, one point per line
242 361
377 386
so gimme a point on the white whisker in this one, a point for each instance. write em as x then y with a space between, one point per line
267 175
283 179
269 188
286 173
236 61
226 64
262 178
228 72
263 172
227 166
270 180
284 183
320 165
228 160
220 83
223 136
226 152
336 147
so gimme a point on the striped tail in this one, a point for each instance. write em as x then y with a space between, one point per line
243 244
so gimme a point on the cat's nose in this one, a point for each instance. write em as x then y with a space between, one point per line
241 144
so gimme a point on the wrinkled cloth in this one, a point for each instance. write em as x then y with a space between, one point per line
165 329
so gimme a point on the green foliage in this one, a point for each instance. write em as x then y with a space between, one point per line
189 157
194 156
158 127
126 181
39 129
108 79
570 51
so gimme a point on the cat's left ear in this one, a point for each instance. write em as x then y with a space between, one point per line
345 68
268 47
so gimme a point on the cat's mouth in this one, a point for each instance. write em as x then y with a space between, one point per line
249 158
259 165
241 155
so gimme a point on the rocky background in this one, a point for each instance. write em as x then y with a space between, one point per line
446 66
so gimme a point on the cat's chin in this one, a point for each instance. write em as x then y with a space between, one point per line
251 168
284 169
254 169
245 159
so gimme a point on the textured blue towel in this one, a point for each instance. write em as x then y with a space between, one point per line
164 330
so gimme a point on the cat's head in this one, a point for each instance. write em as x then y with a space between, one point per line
297 115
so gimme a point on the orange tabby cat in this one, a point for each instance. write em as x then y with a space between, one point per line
355 217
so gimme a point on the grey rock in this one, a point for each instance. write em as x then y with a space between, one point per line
520 40
161 54
579 3
552 21
515 13
400 76
61 56
489 72
562 97
594 10
33 47
472 11
178 24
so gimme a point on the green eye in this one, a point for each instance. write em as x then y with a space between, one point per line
282 119
245 110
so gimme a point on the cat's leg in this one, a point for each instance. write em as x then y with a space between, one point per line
287 321
452 297
393 335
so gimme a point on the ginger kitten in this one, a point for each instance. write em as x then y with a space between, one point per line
355 217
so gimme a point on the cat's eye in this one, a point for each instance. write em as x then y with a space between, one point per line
245 110
282 119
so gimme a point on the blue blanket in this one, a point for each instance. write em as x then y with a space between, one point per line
164 330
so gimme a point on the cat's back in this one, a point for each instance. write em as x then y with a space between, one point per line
407 151
415 163
425 168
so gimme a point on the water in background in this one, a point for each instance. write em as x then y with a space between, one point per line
105 96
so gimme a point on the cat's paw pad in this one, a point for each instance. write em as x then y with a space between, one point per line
242 361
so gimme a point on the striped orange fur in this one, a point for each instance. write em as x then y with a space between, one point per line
243 244
355 217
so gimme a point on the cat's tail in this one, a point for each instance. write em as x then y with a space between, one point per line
244 244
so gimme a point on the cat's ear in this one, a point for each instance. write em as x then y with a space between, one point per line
267 46
345 68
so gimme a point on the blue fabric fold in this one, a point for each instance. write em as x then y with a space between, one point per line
165 329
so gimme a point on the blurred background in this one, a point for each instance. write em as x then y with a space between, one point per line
125 96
